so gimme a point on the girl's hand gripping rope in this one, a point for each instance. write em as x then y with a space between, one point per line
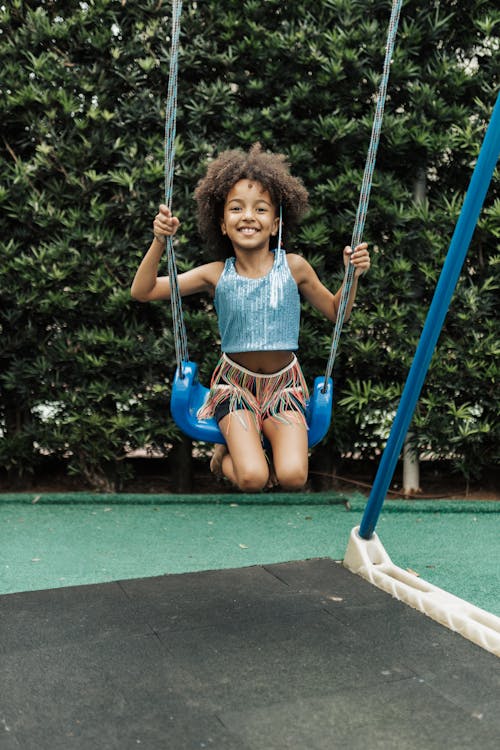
359 258
165 224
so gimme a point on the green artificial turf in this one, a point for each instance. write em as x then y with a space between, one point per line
53 540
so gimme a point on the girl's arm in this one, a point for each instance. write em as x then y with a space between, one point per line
148 286
316 293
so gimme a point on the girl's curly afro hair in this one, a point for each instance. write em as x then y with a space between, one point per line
271 170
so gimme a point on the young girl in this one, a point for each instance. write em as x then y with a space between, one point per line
257 388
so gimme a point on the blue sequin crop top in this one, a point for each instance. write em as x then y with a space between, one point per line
258 314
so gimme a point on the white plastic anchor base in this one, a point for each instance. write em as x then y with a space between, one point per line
368 558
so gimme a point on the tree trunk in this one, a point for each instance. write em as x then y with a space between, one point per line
181 463
411 466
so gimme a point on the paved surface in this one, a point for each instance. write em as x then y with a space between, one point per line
296 655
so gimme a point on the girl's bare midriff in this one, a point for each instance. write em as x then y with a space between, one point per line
264 362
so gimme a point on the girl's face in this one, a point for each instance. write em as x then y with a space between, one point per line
249 216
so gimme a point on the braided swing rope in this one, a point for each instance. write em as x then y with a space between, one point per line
366 184
180 336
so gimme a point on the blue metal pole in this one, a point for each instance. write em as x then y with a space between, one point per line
481 177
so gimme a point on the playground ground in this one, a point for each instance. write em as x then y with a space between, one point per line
227 622
51 540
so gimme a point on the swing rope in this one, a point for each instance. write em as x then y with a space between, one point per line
366 183
180 336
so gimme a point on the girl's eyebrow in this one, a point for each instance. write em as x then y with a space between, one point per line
241 200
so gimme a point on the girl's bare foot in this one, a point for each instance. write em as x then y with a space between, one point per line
216 460
273 479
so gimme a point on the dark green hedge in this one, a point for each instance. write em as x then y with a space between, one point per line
85 371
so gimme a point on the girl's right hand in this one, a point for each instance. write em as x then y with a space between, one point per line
164 223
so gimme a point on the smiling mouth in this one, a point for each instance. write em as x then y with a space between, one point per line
248 230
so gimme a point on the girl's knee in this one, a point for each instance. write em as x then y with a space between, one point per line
292 480
252 477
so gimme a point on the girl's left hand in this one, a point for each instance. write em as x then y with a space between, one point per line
359 258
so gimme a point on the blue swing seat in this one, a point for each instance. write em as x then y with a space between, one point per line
188 395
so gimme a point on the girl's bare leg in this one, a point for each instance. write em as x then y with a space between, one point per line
244 463
290 450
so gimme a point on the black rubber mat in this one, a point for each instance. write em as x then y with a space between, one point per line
300 655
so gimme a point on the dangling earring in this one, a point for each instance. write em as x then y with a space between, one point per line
280 226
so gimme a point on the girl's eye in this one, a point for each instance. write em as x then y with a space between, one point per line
238 209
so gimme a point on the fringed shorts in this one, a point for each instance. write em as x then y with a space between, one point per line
234 388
